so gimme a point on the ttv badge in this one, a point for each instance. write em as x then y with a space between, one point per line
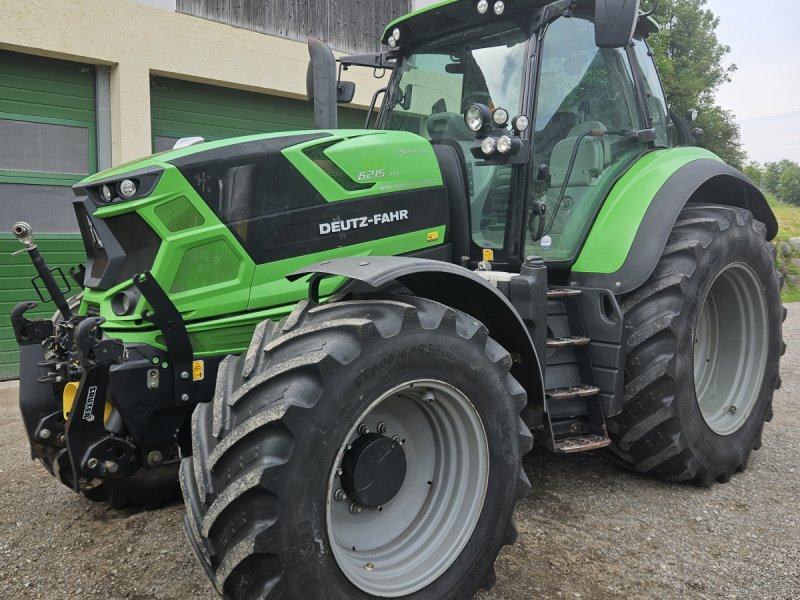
546 242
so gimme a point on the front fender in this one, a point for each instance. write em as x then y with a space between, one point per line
632 229
452 286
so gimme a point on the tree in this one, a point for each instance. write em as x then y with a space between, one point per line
691 59
754 172
772 175
789 187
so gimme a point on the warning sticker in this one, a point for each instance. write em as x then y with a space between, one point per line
198 370
488 254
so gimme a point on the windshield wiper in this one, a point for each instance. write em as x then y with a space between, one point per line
552 11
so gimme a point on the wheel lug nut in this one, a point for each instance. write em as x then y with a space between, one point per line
355 508
383 427
340 495
428 396
363 429
369 566
732 410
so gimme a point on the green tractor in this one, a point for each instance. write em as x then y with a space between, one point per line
349 339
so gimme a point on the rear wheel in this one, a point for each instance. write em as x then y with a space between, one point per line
359 449
704 344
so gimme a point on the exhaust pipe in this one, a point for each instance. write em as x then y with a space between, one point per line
321 84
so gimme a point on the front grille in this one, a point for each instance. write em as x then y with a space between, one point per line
92 309
117 248
139 243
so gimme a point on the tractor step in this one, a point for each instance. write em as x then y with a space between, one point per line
583 443
567 341
576 391
563 292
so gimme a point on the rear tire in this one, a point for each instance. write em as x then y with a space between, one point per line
261 487
703 350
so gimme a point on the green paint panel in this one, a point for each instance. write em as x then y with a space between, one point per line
15 280
616 225
382 162
182 108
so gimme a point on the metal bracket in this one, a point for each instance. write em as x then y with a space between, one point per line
53 271
167 318
26 331
92 451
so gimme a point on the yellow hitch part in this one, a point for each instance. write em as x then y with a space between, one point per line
68 400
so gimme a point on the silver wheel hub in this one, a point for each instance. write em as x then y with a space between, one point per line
398 547
730 349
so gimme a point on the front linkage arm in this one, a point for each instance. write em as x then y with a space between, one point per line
92 450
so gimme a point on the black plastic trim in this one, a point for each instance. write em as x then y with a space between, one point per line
453 286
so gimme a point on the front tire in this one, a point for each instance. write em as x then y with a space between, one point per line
278 503
703 351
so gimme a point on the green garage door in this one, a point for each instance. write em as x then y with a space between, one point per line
47 143
184 109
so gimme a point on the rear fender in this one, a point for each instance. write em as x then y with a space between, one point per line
452 286
632 228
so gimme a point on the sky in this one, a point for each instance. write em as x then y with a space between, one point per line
765 91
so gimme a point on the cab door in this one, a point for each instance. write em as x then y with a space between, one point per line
583 135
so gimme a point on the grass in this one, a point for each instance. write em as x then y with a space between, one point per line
788 216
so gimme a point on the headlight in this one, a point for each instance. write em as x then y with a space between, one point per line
392 42
123 303
520 123
476 117
500 117
504 144
105 191
499 7
483 6
127 188
488 145
396 33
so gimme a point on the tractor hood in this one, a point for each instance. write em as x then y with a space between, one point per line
220 224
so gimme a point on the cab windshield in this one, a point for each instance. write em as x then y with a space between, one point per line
432 87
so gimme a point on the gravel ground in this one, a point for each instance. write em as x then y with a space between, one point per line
588 529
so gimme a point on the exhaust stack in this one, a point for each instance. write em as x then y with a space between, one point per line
321 84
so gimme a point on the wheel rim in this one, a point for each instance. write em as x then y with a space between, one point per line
730 349
400 547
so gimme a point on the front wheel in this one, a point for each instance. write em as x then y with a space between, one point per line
359 449
704 345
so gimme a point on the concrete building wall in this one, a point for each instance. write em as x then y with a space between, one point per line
139 39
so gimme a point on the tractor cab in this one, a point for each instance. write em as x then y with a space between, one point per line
531 117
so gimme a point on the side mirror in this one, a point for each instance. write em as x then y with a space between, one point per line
406 100
345 90
615 22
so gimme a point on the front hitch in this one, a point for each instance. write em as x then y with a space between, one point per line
93 452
